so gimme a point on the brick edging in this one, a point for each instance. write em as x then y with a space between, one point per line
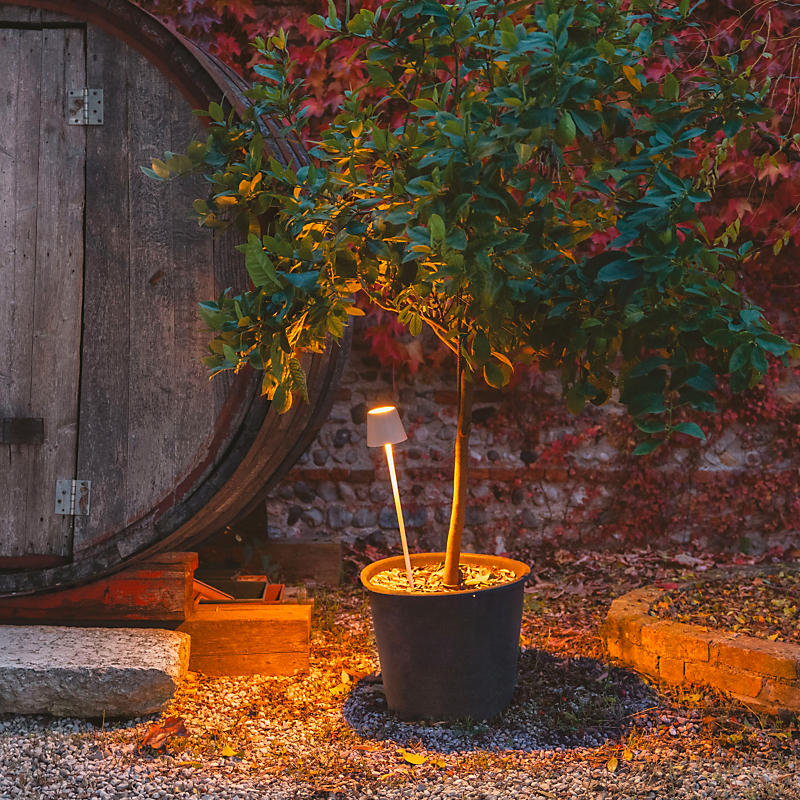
763 675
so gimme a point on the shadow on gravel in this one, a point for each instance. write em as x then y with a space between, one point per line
559 703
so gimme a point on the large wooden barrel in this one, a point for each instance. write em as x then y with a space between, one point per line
113 443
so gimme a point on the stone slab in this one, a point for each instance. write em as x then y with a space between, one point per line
89 672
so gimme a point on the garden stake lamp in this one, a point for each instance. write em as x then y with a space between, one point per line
384 427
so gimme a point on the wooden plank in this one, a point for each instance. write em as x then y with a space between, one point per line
105 375
19 15
19 159
42 227
293 560
157 591
222 664
57 312
172 409
22 430
196 403
151 392
249 638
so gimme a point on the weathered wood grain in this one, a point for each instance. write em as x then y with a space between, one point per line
249 638
198 478
194 397
42 233
155 591
103 444
57 302
32 17
151 387
19 161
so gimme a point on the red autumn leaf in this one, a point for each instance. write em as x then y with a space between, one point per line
161 732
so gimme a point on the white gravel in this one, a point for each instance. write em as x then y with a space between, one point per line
327 736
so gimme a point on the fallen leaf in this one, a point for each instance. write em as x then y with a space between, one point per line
612 764
412 758
161 732
627 754
228 752
195 764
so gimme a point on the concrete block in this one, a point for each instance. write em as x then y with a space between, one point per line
89 672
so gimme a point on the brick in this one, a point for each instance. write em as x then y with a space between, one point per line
778 659
633 656
729 680
671 670
646 595
644 661
780 696
624 626
678 640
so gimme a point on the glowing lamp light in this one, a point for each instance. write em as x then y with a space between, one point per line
384 427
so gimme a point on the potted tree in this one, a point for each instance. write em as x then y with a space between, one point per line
524 191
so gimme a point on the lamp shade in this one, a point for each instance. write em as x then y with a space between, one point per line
384 427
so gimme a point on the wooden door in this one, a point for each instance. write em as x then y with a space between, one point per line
42 198
147 410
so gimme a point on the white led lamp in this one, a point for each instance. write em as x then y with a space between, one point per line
385 428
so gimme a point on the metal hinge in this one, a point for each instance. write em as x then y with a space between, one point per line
72 497
85 107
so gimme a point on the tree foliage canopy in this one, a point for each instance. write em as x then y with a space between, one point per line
511 140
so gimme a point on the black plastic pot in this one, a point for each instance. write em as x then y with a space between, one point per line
452 655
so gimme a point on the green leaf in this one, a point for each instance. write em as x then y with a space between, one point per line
215 112
494 375
575 400
566 131
335 326
690 429
259 266
759 360
619 271
281 400
650 425
437 229
776 345
298 378
740 357
160 168
605 48
645 448
648 403
671 86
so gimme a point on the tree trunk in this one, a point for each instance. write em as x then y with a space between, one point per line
460 475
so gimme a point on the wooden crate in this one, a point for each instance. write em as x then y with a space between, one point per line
249 638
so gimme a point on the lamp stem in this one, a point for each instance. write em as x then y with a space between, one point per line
393 476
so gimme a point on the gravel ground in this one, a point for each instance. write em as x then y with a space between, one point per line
577 728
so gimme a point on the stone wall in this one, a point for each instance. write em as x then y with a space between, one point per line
538 473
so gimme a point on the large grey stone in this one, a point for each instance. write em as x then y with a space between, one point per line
89 672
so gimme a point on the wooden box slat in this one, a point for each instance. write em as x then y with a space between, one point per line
249 638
